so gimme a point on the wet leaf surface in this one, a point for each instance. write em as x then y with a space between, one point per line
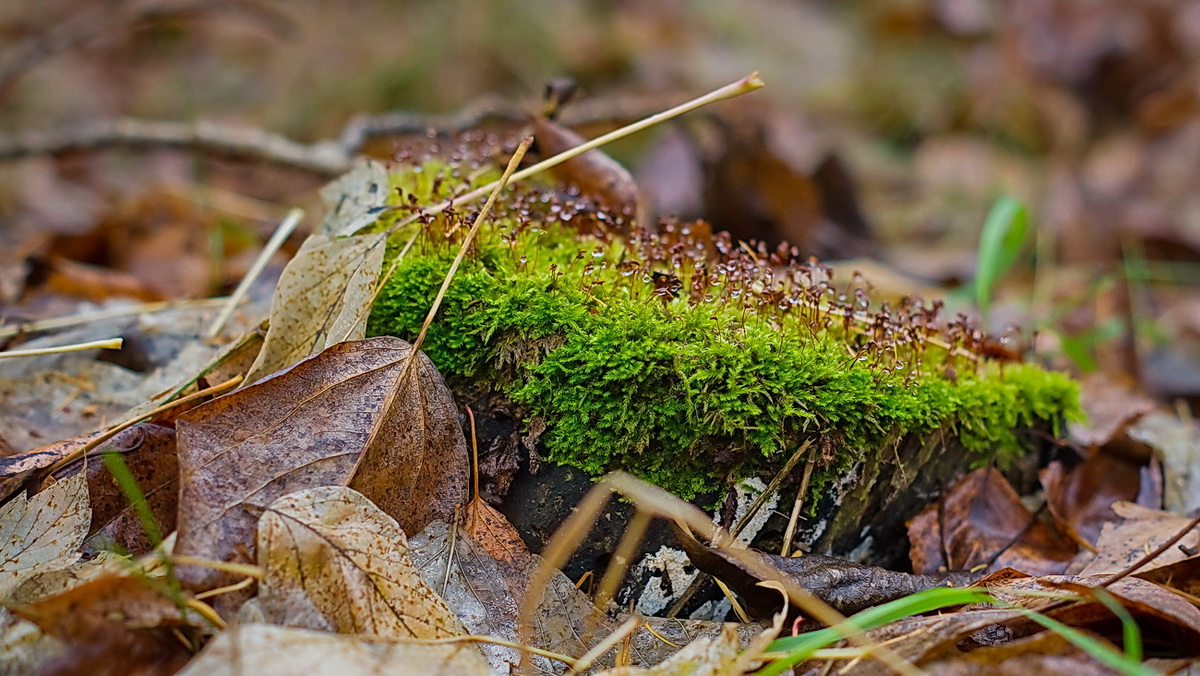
307 427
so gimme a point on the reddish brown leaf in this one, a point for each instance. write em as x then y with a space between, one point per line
979 518
1081 498
149 453
306 427
112 625
494 533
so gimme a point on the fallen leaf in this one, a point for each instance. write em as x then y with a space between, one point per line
42 533
1081 498
285 651
306 427
115 624
486 594
323 298
1141 530
354 199
149 453
979 521
24 647
702 657
1111 407
329 551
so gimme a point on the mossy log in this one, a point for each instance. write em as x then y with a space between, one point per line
694 362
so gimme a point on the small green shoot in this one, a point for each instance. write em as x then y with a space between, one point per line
1000 243
137 500
799 648
792 650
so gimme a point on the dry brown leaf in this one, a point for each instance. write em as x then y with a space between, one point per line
486 594
306 427
283 651
149 453
1141 531
115 624
334 561
981 520
24 648
16 469
1080 498
42 533
323 298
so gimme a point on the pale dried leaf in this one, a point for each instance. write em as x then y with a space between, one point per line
283 651
24 648
42 533
1141 531
354 199
334 561
486 593
306 427
709 656
323 298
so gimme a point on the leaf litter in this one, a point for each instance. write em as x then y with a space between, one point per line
268 466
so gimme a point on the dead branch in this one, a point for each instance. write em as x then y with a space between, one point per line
325 158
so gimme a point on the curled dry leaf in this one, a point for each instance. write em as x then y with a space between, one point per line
283 651
981 520
323 298
42 533
306 427
335 561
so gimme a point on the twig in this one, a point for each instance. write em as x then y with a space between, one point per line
627 627
1136 565
108 344
678 604
325 158
89 317
734 89
801 493
113 431
281 234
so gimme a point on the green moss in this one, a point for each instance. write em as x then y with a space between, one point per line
723 376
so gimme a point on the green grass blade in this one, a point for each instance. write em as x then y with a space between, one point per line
133 492
1004 234
1132 633
800 648
1097 650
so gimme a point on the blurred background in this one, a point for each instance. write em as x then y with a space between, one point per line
887 134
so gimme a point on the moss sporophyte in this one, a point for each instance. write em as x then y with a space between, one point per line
685 358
